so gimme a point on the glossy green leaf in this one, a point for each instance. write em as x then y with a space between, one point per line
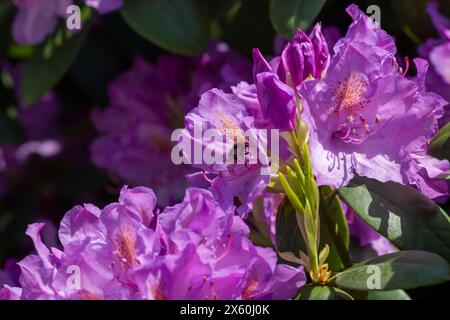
400 213
175 25
440 145
333 227
48 65
314 292
400 270
289 15
288 235
388 295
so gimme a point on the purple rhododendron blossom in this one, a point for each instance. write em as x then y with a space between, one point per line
147 103
301 58
128 250
227 119
437 51
365 117
37 19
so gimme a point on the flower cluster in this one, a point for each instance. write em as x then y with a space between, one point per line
367 118
129 250
147 104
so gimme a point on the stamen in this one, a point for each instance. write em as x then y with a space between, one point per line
125 241
406 66
206 177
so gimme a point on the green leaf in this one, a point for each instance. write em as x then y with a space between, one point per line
289 15
400 270
333 227
440 145
388 295
400 213
315 292
10 130
48 65
176 25
288 235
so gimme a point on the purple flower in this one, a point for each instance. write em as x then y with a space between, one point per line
128 250
303 57
36 20
232 171
240 270
426 173
365 117
276 100
276 82
137 126
437 51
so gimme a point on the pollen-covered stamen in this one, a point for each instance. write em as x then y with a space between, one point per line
125 242
251 287
349 105
230 128
406 66
356 132
225 248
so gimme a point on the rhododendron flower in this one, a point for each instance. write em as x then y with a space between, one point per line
37 19
237 151
193 250
365 117
437 51
302 57
137 126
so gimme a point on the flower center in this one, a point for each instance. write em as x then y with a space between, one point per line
228 126
125 241
349 103
349 95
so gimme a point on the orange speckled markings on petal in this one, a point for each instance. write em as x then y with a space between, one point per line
349 94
